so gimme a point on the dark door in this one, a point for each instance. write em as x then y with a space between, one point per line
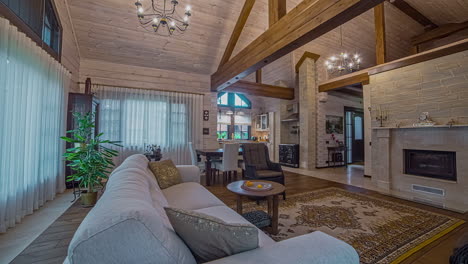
355 134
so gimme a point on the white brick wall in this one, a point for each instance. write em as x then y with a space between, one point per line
439 86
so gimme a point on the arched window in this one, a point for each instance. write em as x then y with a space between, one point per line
233 100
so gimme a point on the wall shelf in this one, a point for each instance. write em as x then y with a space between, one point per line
418 127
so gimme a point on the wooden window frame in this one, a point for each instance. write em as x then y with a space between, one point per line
14 19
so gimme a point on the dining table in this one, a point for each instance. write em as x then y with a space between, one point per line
210 155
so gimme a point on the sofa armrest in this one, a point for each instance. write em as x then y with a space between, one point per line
189 173
313 248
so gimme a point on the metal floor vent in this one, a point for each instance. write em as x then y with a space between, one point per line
429 190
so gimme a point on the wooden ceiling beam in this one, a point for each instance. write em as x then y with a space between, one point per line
440 32
350 92
345 80
241 21
276 10
380 43
260 89
309 20
413 13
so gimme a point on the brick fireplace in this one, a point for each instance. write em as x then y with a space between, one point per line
429 158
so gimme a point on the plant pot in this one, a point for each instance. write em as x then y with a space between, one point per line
88 199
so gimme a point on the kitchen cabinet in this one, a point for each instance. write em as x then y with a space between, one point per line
262 122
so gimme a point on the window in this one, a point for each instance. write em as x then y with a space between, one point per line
51 34
223 131
234 128
241 131
38 20
223 99
141 117
233 100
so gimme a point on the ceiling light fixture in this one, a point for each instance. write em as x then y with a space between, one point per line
343 63
158 13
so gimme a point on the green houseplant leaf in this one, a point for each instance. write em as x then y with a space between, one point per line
91 156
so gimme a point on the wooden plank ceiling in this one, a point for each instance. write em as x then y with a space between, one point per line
108 30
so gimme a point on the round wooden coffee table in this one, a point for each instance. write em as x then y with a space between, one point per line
271 195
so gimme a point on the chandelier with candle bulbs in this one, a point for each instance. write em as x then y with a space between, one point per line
161 16
344 62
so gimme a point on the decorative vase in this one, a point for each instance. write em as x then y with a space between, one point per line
88 199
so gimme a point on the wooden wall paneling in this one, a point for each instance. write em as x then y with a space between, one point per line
442 12
421 57
114 74
380 42
307 21
440 32
413 13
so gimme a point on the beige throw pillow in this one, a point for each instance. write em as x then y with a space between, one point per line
165 172
210 238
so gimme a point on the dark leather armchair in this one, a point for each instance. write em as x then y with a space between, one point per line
258 165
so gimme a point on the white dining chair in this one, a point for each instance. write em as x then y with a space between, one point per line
228 166
194 158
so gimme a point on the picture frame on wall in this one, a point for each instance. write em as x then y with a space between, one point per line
334 124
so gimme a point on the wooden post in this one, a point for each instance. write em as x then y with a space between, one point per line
380 45
88 86
258 76
244 15
276 10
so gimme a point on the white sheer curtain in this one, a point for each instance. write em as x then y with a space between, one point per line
139 117
32 114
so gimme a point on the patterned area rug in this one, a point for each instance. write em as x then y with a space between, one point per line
380 230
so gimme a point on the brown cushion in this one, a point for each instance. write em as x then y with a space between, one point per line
268 173
166 173
255 154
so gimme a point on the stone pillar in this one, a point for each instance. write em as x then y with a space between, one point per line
381 158
308 89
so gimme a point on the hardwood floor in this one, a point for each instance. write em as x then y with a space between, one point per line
51 246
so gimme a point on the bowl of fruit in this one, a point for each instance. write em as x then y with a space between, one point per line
256 186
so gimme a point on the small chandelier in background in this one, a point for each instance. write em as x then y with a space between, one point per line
162 17
343 63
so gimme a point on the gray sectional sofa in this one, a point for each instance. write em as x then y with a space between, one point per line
129 225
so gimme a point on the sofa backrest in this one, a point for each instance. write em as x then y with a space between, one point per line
128 224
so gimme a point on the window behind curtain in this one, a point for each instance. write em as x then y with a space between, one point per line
141 117
40 17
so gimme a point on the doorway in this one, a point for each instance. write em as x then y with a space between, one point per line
354 134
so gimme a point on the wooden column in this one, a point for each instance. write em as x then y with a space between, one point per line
276 10
258 76
380 46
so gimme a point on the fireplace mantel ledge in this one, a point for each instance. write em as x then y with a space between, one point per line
417 127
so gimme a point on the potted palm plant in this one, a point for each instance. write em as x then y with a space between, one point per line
89 158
